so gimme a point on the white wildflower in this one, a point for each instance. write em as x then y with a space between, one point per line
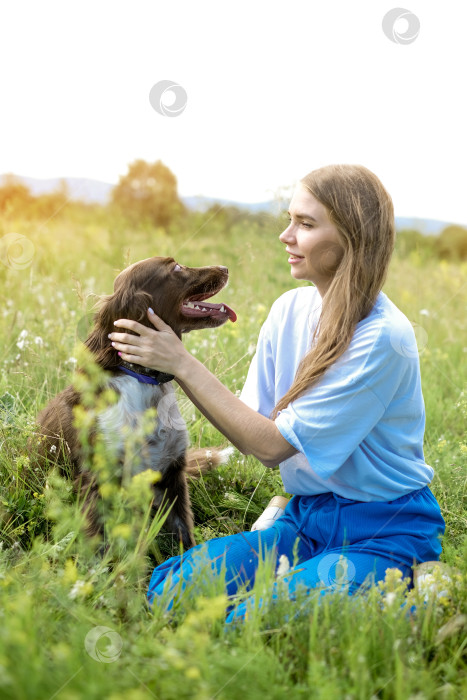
76 590
424 312
430 585
53 448
284 566
71 361
38 341
389 598
22 339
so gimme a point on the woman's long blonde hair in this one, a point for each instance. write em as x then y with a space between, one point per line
363 213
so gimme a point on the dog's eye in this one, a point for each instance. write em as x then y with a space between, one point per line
177 268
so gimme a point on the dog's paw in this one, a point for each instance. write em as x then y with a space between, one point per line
201 460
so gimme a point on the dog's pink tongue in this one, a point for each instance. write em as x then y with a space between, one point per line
218 310
204 308
231 313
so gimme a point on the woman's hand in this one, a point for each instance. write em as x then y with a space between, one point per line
160 349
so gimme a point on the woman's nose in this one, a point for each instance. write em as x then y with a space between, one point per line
286 235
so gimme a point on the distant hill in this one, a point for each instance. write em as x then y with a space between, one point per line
84 189
95 191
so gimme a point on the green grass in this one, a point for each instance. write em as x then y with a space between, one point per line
55 589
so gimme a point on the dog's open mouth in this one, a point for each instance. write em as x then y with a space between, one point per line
195 306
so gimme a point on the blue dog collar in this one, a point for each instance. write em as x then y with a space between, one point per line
140 377
146 376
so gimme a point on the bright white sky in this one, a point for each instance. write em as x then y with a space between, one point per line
275 89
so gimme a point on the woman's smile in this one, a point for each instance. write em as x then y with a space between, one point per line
294 258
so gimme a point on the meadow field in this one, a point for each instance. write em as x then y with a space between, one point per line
75 624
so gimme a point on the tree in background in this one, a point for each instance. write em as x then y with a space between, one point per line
51 204
410 240
148 191
17 200
14 196
452 243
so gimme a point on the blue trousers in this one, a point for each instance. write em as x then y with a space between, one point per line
323 534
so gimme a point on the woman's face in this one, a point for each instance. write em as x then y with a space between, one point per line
313 241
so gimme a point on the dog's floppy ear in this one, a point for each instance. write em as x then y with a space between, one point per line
124 303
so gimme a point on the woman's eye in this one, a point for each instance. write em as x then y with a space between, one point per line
177 268
302 223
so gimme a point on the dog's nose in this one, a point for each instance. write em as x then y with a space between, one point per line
224 269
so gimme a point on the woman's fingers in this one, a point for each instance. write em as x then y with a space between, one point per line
131 325
135 340
156 348
119 343
130 353
134 359
157 322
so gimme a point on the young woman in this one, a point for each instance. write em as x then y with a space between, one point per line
333 395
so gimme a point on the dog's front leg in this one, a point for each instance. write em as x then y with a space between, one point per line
86 487
174 494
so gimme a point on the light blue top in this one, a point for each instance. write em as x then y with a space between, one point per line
359 430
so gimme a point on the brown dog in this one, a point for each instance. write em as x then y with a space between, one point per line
177 294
